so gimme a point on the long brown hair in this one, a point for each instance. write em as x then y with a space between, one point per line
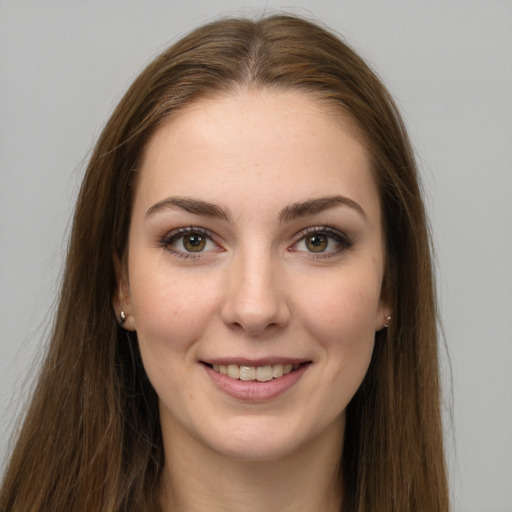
91 438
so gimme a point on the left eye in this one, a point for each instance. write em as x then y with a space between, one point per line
322 241
317 243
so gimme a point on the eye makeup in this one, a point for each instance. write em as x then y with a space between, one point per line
190 242
321 242
316 242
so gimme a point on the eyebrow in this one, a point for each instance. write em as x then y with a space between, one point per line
313 206
195 206
287 214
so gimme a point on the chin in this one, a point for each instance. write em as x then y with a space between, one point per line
256 450
265 441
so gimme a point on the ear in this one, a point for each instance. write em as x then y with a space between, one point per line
385 309
121 298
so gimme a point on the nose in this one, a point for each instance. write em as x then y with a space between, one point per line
255 295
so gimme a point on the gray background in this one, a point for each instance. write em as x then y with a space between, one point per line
64 65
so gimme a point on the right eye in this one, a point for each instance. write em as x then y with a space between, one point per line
187 242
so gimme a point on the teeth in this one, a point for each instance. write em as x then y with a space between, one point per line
259 373
277 371
233 371
247 373
264 373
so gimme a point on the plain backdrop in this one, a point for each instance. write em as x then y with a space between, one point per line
63 67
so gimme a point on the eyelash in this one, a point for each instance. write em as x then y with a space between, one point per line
167 241
339 237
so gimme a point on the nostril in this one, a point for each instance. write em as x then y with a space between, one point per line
254 308
255 328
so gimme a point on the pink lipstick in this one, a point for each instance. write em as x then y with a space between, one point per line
255 381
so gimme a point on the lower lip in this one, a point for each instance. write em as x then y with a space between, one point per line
253 390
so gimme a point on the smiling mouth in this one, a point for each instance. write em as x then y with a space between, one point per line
254 373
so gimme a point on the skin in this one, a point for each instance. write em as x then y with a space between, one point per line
256 290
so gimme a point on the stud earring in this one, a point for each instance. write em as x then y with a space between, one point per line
122 317
388 319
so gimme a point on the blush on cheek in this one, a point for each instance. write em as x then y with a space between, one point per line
343 309
346 330
170 316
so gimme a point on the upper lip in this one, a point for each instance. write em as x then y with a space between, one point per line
264 361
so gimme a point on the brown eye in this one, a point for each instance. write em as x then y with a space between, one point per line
317 243
189 242
194 242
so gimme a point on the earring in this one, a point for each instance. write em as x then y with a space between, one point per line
122 317
388 319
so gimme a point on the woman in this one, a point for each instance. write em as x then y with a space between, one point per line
247 317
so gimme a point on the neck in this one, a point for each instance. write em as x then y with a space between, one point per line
196 478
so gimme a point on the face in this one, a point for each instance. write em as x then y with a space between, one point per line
254 272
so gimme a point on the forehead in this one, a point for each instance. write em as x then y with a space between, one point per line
256 145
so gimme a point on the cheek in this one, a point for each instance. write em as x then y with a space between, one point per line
347 305
171 310
342 319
